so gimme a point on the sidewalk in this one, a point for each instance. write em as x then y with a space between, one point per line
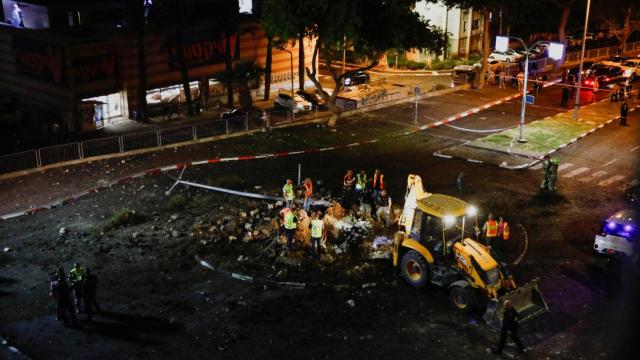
543 137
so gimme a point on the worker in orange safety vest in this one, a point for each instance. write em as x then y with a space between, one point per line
490 231
503 235
308 193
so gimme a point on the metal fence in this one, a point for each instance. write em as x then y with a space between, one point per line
117 144
156 138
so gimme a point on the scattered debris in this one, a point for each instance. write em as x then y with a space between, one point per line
351 303
7 249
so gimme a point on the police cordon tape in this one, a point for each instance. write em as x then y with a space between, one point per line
182 165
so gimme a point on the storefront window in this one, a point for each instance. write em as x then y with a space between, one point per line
170 94
106 108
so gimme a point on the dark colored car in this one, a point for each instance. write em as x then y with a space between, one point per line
356 78
601 75
586 66
315 99
231 113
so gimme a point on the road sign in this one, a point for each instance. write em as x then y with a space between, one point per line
417 91
530 99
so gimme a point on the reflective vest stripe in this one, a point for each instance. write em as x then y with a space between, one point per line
287 192
316 228
492 228
361 181
288 221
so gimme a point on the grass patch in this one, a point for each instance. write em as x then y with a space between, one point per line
123 218
542 136
176 203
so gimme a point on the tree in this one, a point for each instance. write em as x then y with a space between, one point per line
371 27
620 16
136 25
244 76
565 7
486 6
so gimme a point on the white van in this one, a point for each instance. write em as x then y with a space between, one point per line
619 234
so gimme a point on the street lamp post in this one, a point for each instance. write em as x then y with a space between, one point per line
502 44
293 100
576 104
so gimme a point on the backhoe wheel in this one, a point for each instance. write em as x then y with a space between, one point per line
415 269
462 298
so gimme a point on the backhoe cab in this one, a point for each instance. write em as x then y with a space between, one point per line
436 247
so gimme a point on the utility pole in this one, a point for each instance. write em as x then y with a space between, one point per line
576 105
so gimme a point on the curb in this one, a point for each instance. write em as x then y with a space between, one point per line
182 165
12 351
536 159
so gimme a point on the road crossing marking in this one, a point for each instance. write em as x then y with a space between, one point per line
576 172
610 162
635 148
593 176
611 180
564 166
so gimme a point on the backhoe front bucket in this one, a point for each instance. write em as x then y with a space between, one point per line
526 299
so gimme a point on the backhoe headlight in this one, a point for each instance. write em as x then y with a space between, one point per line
449 220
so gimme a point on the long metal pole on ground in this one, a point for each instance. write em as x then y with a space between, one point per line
576 105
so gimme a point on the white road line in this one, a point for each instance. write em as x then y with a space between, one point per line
537 167
635 148
594 176
610 162
576 172
610 180
564 166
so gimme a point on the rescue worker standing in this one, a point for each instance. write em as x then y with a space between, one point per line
90 290
509 326
77 276
361 185
308 194
624 112
565 96
348 182
490 230
290 226
318 233
553 174
288 193
61 292
503 235
546 164
378 185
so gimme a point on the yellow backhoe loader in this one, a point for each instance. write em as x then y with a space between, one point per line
434 247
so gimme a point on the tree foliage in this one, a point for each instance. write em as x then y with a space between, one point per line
366 27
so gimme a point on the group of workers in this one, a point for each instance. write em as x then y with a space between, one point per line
74 294
495 234
357 189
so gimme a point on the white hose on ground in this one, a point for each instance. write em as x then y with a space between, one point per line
526 246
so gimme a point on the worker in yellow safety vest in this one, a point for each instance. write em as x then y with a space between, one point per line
318 233
361 185
288 193
490 230
289 224
308 193
503 233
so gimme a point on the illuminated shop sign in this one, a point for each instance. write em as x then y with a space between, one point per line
198 49
39 59
92 68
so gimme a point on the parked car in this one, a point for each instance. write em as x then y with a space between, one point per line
618 234
509 55
615 60
631 69
357 78
283 100
231 113
601 75
575 69
315 99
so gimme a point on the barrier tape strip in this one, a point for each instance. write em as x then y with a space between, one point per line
180 166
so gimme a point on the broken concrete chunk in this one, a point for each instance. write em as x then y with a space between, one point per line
242 214
63 230
174 216
351 303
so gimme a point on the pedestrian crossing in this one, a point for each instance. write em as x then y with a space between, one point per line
588 175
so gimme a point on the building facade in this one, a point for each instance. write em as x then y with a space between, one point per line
87 78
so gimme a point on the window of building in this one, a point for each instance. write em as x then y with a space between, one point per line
476 24
25 15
